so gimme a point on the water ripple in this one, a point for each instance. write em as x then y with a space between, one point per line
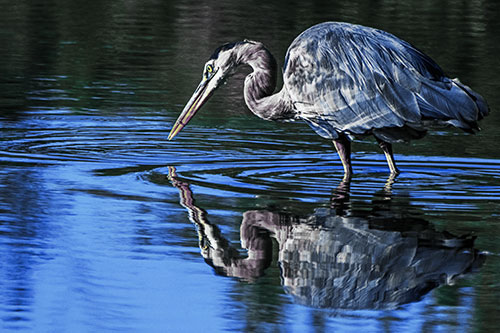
242 162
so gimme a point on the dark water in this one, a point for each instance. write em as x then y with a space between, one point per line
237 224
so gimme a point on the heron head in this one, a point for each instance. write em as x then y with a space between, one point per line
220 65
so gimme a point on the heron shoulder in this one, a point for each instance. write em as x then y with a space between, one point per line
337 44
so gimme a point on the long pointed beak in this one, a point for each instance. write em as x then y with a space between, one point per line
200 96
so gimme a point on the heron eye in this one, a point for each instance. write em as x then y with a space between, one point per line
210 69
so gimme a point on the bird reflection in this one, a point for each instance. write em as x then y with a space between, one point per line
338 258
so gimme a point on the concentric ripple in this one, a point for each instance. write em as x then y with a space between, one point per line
237 161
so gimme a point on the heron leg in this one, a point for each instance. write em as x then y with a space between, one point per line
387 148
343 146
340 200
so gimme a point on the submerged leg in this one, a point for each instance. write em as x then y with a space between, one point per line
340 200
343 146
387 148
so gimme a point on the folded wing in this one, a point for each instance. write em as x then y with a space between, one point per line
358 80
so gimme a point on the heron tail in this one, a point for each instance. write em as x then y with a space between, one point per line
451 102
482 106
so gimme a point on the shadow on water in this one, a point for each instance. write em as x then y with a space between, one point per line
341 256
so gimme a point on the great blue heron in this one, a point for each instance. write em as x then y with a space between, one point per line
345 80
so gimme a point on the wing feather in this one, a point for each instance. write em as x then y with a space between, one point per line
358 80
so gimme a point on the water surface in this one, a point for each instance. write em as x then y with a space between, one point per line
237 224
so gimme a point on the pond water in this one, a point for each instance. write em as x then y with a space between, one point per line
237 224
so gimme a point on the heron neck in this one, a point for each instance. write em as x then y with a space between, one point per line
261 83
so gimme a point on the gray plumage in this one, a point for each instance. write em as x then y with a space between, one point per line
358 80
345 80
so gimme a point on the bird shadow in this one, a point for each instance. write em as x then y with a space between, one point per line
339 257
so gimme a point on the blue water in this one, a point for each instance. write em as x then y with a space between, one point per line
238 224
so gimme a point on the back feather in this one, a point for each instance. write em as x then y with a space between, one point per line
358 80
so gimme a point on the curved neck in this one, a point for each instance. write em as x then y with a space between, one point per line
261 83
